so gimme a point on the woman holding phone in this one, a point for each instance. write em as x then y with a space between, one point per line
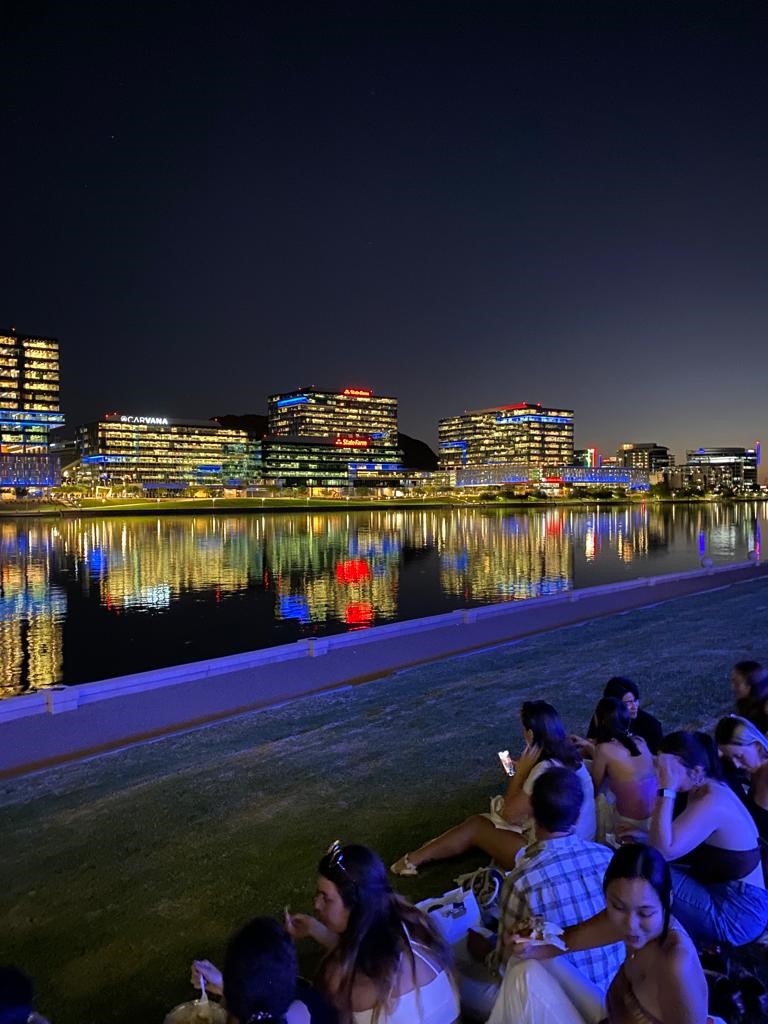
509 827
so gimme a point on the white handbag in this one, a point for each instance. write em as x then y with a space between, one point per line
453 913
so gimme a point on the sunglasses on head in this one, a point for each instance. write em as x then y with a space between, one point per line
335 855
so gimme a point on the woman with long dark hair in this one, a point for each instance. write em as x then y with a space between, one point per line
509 827
624 763
661 980
719 888
385 963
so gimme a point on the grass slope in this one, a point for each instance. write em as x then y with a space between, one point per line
119 870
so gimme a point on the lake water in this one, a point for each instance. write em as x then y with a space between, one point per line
85 599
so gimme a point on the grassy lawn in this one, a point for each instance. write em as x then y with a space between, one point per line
119 870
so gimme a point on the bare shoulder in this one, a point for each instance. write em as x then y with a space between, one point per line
676 955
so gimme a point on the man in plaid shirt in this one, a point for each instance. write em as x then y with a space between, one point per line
558 878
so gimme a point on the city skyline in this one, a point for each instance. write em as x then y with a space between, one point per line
461 205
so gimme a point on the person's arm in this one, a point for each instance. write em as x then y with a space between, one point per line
590 934
675 838
304 926
681 987
517 803
599 766
515 914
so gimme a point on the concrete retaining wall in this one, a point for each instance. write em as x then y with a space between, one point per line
61 723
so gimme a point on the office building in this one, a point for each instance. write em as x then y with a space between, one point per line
311 412
332 439
717 469
29 409
525 434
646 456
159 454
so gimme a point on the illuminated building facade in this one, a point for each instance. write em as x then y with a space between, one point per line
646 456
332 439
351 412
329 462
29 409
163 454
717 469
558 477
524 434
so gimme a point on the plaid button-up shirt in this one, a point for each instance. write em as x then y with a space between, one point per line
561 881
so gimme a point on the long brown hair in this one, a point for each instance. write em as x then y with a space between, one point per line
381 923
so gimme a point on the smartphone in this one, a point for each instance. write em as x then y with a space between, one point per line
506 762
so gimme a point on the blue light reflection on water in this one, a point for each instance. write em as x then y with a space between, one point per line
84 599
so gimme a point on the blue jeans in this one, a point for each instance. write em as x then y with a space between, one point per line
725 912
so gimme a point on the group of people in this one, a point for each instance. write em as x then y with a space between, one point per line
637 849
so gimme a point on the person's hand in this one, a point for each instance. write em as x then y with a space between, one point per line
523 947
210 974
479 946
669 772
586 747
528 759
301 926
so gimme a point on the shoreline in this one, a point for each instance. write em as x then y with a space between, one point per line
239 506
77 721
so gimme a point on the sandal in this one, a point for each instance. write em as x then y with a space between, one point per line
404 866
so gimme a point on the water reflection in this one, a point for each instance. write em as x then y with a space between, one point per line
86 599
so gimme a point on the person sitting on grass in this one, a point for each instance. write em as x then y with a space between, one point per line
719 890
640 722
385 961
746 748
749 682
624 763
260 979
504 832
661 980
17 997
557 878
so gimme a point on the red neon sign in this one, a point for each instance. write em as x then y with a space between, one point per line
351 442
357 392
354 570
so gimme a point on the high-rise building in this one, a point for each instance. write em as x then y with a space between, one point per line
163 454
324 438
29 409
310 412
525 434
646 456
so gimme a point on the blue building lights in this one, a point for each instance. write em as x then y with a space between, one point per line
534 419
284 402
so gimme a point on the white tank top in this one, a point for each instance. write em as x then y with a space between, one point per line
436 1002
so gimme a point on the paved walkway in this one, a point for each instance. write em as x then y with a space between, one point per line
118 870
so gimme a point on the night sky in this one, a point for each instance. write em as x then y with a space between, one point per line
462 204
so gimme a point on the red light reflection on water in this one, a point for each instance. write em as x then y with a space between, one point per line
354 570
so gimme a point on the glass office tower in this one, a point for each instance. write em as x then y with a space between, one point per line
335 439
29 409
525 434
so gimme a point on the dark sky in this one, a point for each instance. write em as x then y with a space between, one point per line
462 204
